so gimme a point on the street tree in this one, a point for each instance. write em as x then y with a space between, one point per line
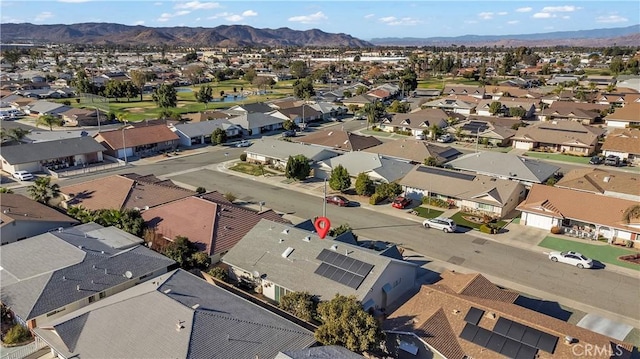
495 107
364 185
303 89
517 112
288 125
298 69
340 179
346 324
12 56
139 79
42 190
297 167
301 304
219 136
204 95
165 96
374 111
49 121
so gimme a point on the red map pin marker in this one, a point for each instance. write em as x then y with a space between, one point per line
322 225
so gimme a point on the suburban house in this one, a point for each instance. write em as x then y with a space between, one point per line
462 90
416 122
495 131
338 140
126 191
379 168
558 136
414 151
137 141
258 107
255 123
467 316
328 109
299 114
22 218
623 143
91 263
505 166
627 116
189 317
359 100
546 207
584 113
206 115
319 352
83 117
528 105
44 107
610 183
472 193
465 105
198 133
215 224
278 259
277 153
51 155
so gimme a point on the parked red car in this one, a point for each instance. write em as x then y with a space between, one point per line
401 202
337 200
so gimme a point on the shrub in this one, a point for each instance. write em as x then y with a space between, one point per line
243 157
230 196
201 190
17 334
437 202
376 198
556 230
487 228
219 273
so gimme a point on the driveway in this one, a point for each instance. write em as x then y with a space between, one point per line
605 326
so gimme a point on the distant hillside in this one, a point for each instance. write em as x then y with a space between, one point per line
227 36
622 36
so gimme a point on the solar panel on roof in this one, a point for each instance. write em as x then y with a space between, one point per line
468 332
510 348
496 342
516 331
502 326
475 126
342 269
474 315
547 342
482 337
444 173
526 352
531 337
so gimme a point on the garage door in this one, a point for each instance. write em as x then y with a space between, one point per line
522 145
537 221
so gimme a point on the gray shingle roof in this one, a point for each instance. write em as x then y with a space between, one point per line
204 128
281 150
505 165
363 162
222 326
323 352
39 151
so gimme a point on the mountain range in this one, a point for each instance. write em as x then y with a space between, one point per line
242 35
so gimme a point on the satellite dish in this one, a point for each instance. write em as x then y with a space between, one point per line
128 274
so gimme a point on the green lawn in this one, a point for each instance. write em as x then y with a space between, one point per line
248 168
603 253
460 221
559 157
427 212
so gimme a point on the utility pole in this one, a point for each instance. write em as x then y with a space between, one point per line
324 200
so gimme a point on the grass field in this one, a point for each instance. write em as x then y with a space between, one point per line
603 253
458 217
425 212
559 157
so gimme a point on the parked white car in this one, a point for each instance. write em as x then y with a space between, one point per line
446 225
22 175
243 143
446 138
572 258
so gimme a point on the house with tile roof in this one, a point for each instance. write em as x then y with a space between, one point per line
582 112
83 117
359 100
415 122
379 168
462 104
278 259
466 316
22 217
471 192
52 155
90 263
190 319
627 116
602 181
215 224
414 151
462 90
198 133
547 206
528 105
623 143
558 136
273 152
137 141
338 140
126 191
505 166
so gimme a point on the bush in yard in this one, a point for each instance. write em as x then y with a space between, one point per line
376 198
219 273
301 304
556 230
364 185
388 190
17 334
436 202
201 190
230 196
487 228
340 179
243 157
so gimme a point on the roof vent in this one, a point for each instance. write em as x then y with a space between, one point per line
307 239
491 315
607 179
78 287
64 277
287 252
80 246
285 231
60 229
455 311
334 247
569 339
281 240
179 325
167 291
195 306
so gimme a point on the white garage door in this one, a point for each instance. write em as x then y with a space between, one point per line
522 145
542 222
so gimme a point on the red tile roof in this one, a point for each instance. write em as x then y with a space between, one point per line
135 136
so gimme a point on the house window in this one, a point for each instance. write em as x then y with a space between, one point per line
56 311
102 295
485 207
279 292
92 299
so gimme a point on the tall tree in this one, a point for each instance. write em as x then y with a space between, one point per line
303 89
297 167
364 185
374 111
15 134
340 179
345 323
298 69
42 190
50 121
205 95
495 107
218 136
301 304
12 56
139 78
165 96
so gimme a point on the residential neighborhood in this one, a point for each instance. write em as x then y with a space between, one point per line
296 202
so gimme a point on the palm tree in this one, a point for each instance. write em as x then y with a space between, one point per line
15 134
5 190
631 213
49 120
42 190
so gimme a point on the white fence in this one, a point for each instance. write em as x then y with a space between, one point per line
25 350
86 170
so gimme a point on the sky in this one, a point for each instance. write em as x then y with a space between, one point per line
363 19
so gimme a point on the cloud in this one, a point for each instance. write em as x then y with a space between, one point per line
503 13
43 16
486 15
369 16
394 21
307 19
197 5
234 18
166 16
513 22
248 13
524 9
73 1
543 15
470 22
157 3
139 22
611 19
566 8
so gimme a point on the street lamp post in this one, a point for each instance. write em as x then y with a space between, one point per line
124 146
324 200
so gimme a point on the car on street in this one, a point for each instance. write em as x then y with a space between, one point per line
22 175
446 138
419 136
337 200
612 160
571 258
446 225
289 133
243 143
595 160
401 202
